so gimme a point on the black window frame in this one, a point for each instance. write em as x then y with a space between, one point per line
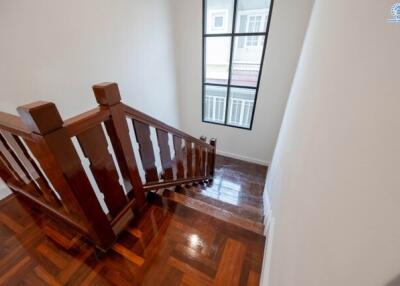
232 36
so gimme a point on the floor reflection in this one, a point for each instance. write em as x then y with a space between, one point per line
232 177
171 243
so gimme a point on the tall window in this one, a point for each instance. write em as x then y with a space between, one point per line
234 41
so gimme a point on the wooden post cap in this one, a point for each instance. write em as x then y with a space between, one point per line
40 117
107 93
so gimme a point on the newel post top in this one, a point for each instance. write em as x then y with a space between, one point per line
41 117
107 93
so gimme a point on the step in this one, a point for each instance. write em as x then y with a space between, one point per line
208 195
211 210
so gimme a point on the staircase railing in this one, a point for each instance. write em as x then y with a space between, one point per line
42 158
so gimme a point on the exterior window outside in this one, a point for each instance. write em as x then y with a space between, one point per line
234 40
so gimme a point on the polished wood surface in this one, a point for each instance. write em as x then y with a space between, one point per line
108 96
13 124
84 121
189 158
165 154
211 157
197 160
140 116
65 171
236 188
146 150
94 146
180 170
83 171
36 174
171 243
203 163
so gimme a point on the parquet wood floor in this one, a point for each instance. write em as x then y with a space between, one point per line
172 243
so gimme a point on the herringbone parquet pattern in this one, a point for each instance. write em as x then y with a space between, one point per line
171 244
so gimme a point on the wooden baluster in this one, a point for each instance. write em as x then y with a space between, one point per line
107 95
203 157
17 160
189 159
165 154
12 143
180 174
211 157
94 146
40 180
17 170
8 166
5 172
146 151
197 151
59 160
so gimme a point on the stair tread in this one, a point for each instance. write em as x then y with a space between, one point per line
213 211
223 202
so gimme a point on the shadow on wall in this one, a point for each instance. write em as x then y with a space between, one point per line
394 282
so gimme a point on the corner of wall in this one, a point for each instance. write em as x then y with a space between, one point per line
244 158
269 222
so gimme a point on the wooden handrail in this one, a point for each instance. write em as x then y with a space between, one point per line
86 120
140 116
14 125
40 162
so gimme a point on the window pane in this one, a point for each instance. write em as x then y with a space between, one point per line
241 103
217 59
215 103
247 54
219 16
252 16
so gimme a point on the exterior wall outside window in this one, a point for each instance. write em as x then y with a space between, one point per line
234 46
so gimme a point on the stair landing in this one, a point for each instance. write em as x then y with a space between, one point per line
198 235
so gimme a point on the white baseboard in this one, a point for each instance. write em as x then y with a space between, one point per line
243 158
269 223
266 268
267 209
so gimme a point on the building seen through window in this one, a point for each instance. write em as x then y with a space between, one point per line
234 38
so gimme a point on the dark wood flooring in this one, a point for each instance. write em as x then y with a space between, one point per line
199 235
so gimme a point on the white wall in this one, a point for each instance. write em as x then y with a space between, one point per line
4 190
334 181
56 50
289 22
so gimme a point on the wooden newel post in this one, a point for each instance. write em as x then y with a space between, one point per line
59 160
213 142
108 96
203 165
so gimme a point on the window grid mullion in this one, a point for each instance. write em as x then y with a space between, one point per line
235 34
230 61
232 85
228 86
269 17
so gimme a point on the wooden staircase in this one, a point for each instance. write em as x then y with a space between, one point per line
235 194
39 160
196 234
167 209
